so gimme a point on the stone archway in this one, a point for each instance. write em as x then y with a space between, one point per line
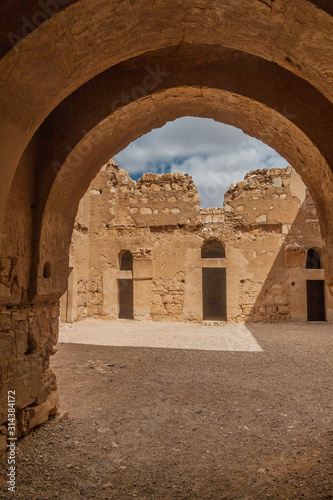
78 42
74 92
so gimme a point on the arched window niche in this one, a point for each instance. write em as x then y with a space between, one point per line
213 249
313 260
126 261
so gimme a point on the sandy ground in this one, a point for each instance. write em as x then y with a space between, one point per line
177 423
209 337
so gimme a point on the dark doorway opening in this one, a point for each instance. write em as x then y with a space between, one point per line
126 299
316 300
214 294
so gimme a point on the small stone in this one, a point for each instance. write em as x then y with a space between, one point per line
63 416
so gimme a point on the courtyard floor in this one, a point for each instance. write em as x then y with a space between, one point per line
182 411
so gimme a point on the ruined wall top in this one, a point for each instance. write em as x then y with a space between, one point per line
172 200
154 200
263 195
257 182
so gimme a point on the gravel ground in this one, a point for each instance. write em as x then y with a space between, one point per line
153 423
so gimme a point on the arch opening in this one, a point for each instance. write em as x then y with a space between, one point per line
172 107
126 261
213 249
313 260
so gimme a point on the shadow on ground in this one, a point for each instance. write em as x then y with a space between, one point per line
187 424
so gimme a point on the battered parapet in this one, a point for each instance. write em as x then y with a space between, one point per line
155 200
262 197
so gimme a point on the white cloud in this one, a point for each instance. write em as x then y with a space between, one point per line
214 154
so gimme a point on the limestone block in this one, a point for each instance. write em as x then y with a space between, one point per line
167 299
277 182
21 338
143 268
174 308
284 309
8 346
55 312
146 211
20 314
40 414
54 330
157 299
247 310
27 379
4 293
5 321
261 218
16 294
157 309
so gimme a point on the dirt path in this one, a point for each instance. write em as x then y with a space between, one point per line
153 423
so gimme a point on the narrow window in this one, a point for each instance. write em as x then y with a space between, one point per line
213 250
313 259
126 262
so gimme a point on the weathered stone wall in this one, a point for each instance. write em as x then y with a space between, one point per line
160 221
168 298
262 211
28 336
28 330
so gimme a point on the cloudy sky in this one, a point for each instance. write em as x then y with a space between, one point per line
214 154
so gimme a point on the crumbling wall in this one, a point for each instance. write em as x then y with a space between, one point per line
28 334
160 216
262 211
117 214
157 200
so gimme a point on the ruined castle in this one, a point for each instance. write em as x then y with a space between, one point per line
146 250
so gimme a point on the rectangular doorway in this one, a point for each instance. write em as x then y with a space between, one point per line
214 296
126 299
316 300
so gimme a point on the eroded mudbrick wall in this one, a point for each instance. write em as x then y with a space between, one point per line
266 226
